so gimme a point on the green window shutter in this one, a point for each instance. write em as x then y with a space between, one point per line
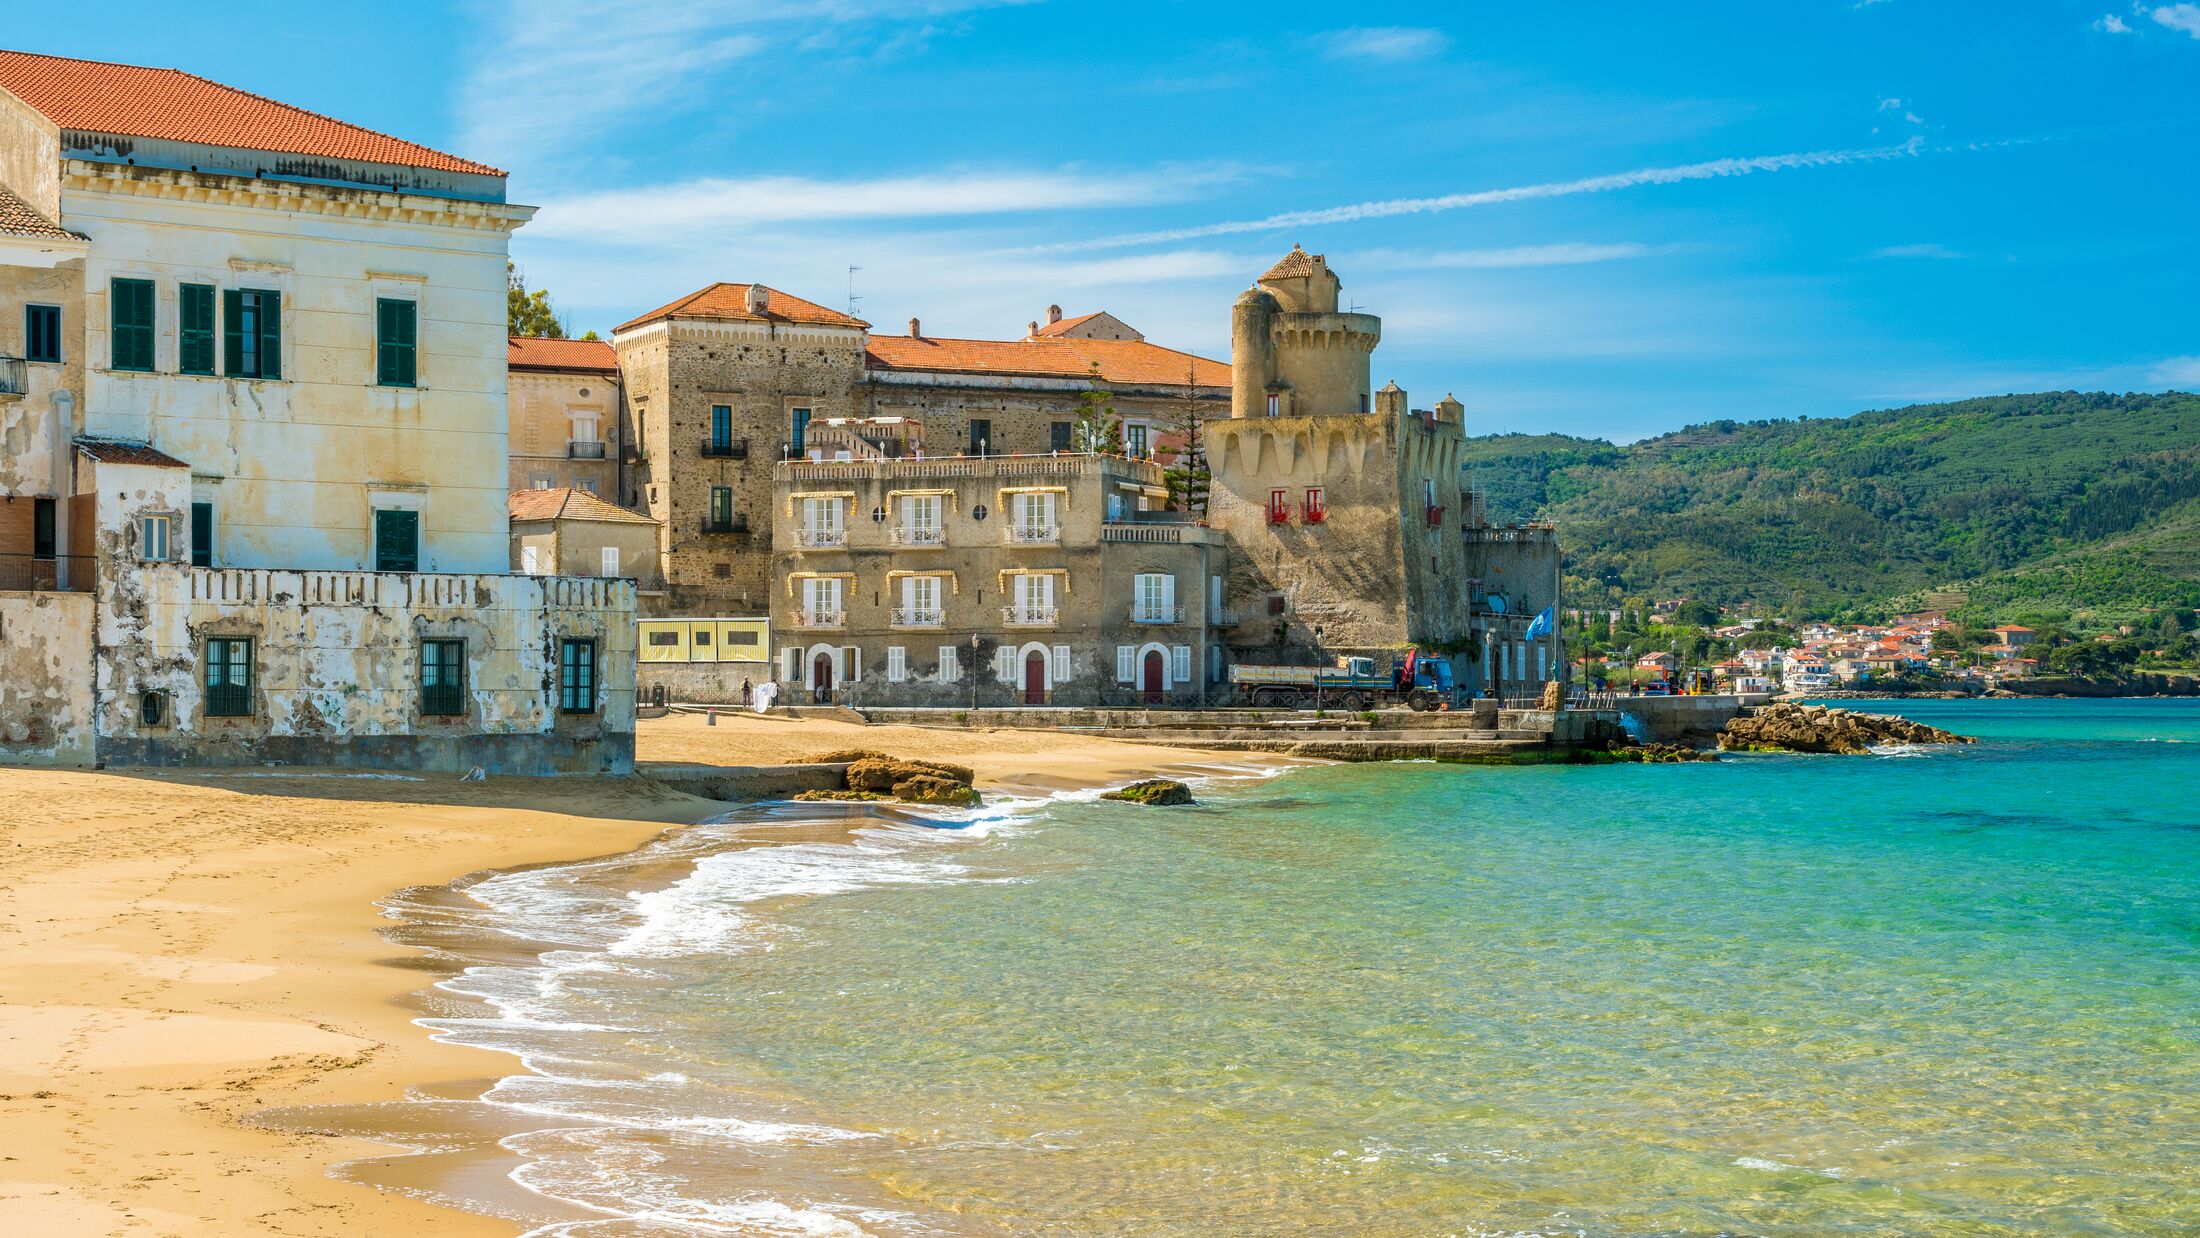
195 329
271 335
130 311
396 541
232 331
397 343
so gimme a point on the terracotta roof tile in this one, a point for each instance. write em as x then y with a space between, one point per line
530 353
134 101
18 219
1121 361
730 302
1067 324
1293 265
565 503
127 451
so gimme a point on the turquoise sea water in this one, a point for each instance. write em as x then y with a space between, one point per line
1938 991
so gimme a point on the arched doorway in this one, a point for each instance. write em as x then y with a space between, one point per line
1155 677
1035 678
821 679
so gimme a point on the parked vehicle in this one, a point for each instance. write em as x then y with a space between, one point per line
1353 683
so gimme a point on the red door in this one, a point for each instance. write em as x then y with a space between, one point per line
821 679
1156 677
1035 678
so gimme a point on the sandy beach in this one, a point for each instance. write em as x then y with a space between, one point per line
186 950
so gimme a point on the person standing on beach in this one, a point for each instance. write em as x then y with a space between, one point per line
746 688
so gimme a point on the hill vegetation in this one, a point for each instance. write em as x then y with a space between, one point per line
2064 507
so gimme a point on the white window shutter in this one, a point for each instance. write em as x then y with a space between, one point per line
897 664
949 672
790 664
611 560
1061 663
1168 597
1004 664
1182 656
530 560
1125 655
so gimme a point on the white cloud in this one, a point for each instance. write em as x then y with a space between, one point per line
2181 372
1387 43
1564 253
715 205
2180 17
1715 169
2111 24
1918 251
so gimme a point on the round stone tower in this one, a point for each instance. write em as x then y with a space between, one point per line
1292 353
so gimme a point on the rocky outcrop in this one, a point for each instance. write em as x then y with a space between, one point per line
919 782
1646 754
1792 727
1153 791
836 797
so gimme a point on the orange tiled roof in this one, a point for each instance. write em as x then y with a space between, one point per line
523 352
1067 324
1293 265
1121 361
135 101
127 451
730 302
565 503
18 219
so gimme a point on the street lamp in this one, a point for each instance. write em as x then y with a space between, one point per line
1317 669
974 672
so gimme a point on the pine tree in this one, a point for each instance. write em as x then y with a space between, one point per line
1188 477
1097 429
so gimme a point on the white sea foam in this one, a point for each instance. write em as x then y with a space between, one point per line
1758 1162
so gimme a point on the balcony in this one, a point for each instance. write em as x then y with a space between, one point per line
14 376
1034 534
1315 513
820 539
904 617
821 619
1157 614
737 523
1279 515
45 573
917 539
1222 616
1029 616
584 451
726 448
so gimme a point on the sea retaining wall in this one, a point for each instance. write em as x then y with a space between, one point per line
46 679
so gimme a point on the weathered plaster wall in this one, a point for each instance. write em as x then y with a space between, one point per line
295 467
337 668
36 425
30 156
46 678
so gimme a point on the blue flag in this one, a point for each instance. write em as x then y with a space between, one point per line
1542 624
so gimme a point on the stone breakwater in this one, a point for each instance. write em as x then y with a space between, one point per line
1791 727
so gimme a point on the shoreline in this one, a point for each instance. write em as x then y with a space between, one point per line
190 951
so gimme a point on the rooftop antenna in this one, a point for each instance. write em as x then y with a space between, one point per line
853 299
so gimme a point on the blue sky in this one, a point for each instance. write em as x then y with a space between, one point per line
1608 219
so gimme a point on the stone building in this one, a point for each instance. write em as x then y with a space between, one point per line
1351 521
568 532
989 580
567 409
262 436
730 380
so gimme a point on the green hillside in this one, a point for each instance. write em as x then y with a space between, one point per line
2057 504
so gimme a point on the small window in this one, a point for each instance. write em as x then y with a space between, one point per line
798 428
153 709
981 436
611 560
1134 437
252 333
721 430
396 541
42 333
202 535
721 507
130 315
228 678
153 538
1275 604
1275 404
1058 435
664 638
42 529
577 677
396 342
443 678
530 560
194 328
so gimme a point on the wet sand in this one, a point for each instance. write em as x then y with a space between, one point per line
182 953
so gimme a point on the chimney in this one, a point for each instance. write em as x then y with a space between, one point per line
760 298
1032 330
916 329
1054 314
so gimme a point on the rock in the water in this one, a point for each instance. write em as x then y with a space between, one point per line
837 796
1160 791
930 789
881 773
1653 754
1789 727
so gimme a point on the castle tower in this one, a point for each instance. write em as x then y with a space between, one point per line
1292 354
